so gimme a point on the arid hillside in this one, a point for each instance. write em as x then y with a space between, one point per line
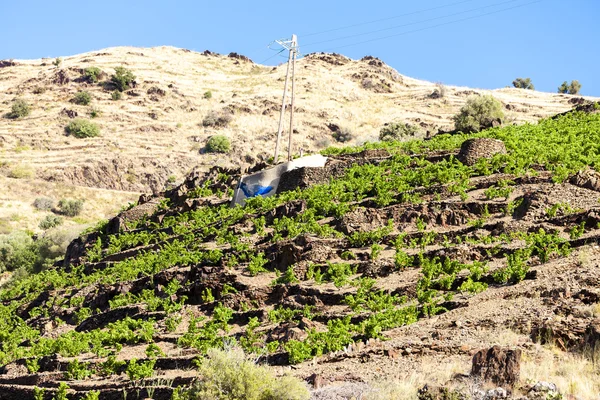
155 134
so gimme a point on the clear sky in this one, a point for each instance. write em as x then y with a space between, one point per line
477 43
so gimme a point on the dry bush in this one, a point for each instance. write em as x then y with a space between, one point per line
397 131
439 92
480 112
217 119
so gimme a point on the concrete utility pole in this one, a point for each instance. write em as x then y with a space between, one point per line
292 46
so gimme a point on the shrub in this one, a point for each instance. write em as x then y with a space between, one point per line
116 95
229 374
44 203
343 134
92 74
39 90
95 112
21 172
122 78
207 95
82 98
523 83
82 128
478 113
50 221
573 88
20 108
398 130
217 119
57 62
218 144
439 92
70 207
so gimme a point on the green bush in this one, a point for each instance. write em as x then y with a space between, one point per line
92 74
122 78
82 98
523 83
50 221
218 144
82 128
20 108
573 88
21 172
116 95
478 113
44 203
20 252
70 207
207 95
397 131
230 375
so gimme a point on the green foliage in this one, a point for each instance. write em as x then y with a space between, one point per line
398 130
32 365
57 61
516 268
70 207
363 238
502 189
122 78
19 251
77 370
82 98
92 74
61 393
577 231
230 375
82 128
523 83
218 144
111 366
478 113
92 395
375 251
562 208
50 221
257 264
137 370
287 277
38 393
573 88
153 351
19 109
207 95
116 95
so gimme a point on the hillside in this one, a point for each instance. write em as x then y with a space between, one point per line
155 135
382 273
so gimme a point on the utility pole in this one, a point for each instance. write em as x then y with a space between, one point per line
292 46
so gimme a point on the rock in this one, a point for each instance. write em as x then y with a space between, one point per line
439 393
473 149
498 366
68 113
7 63
542 391
240 57
586 178
316 380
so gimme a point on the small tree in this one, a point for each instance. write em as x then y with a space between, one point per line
122 78
50 221
523 83
572 88
83 98
82 128
398 130
478 113
218 144
20 108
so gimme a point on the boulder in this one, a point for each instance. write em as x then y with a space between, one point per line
473 149
586 178
498 366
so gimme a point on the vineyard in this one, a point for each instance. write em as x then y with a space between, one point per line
390 243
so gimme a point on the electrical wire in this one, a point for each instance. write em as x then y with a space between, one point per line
384 19
409 24
431 27
273 56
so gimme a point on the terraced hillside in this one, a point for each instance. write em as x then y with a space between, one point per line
374 276
156 133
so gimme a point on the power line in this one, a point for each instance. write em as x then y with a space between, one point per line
431 27
273 56
409 24
385 19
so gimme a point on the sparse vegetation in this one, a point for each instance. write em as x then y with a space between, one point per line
70 207
82 128
523 83
398 130
44 203
343 134
21 172
116 95
82 98
439 92
57 62
122 79
20 109
573 88
207 95
480 112
50 221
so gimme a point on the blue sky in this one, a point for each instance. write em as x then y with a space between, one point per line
549 41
